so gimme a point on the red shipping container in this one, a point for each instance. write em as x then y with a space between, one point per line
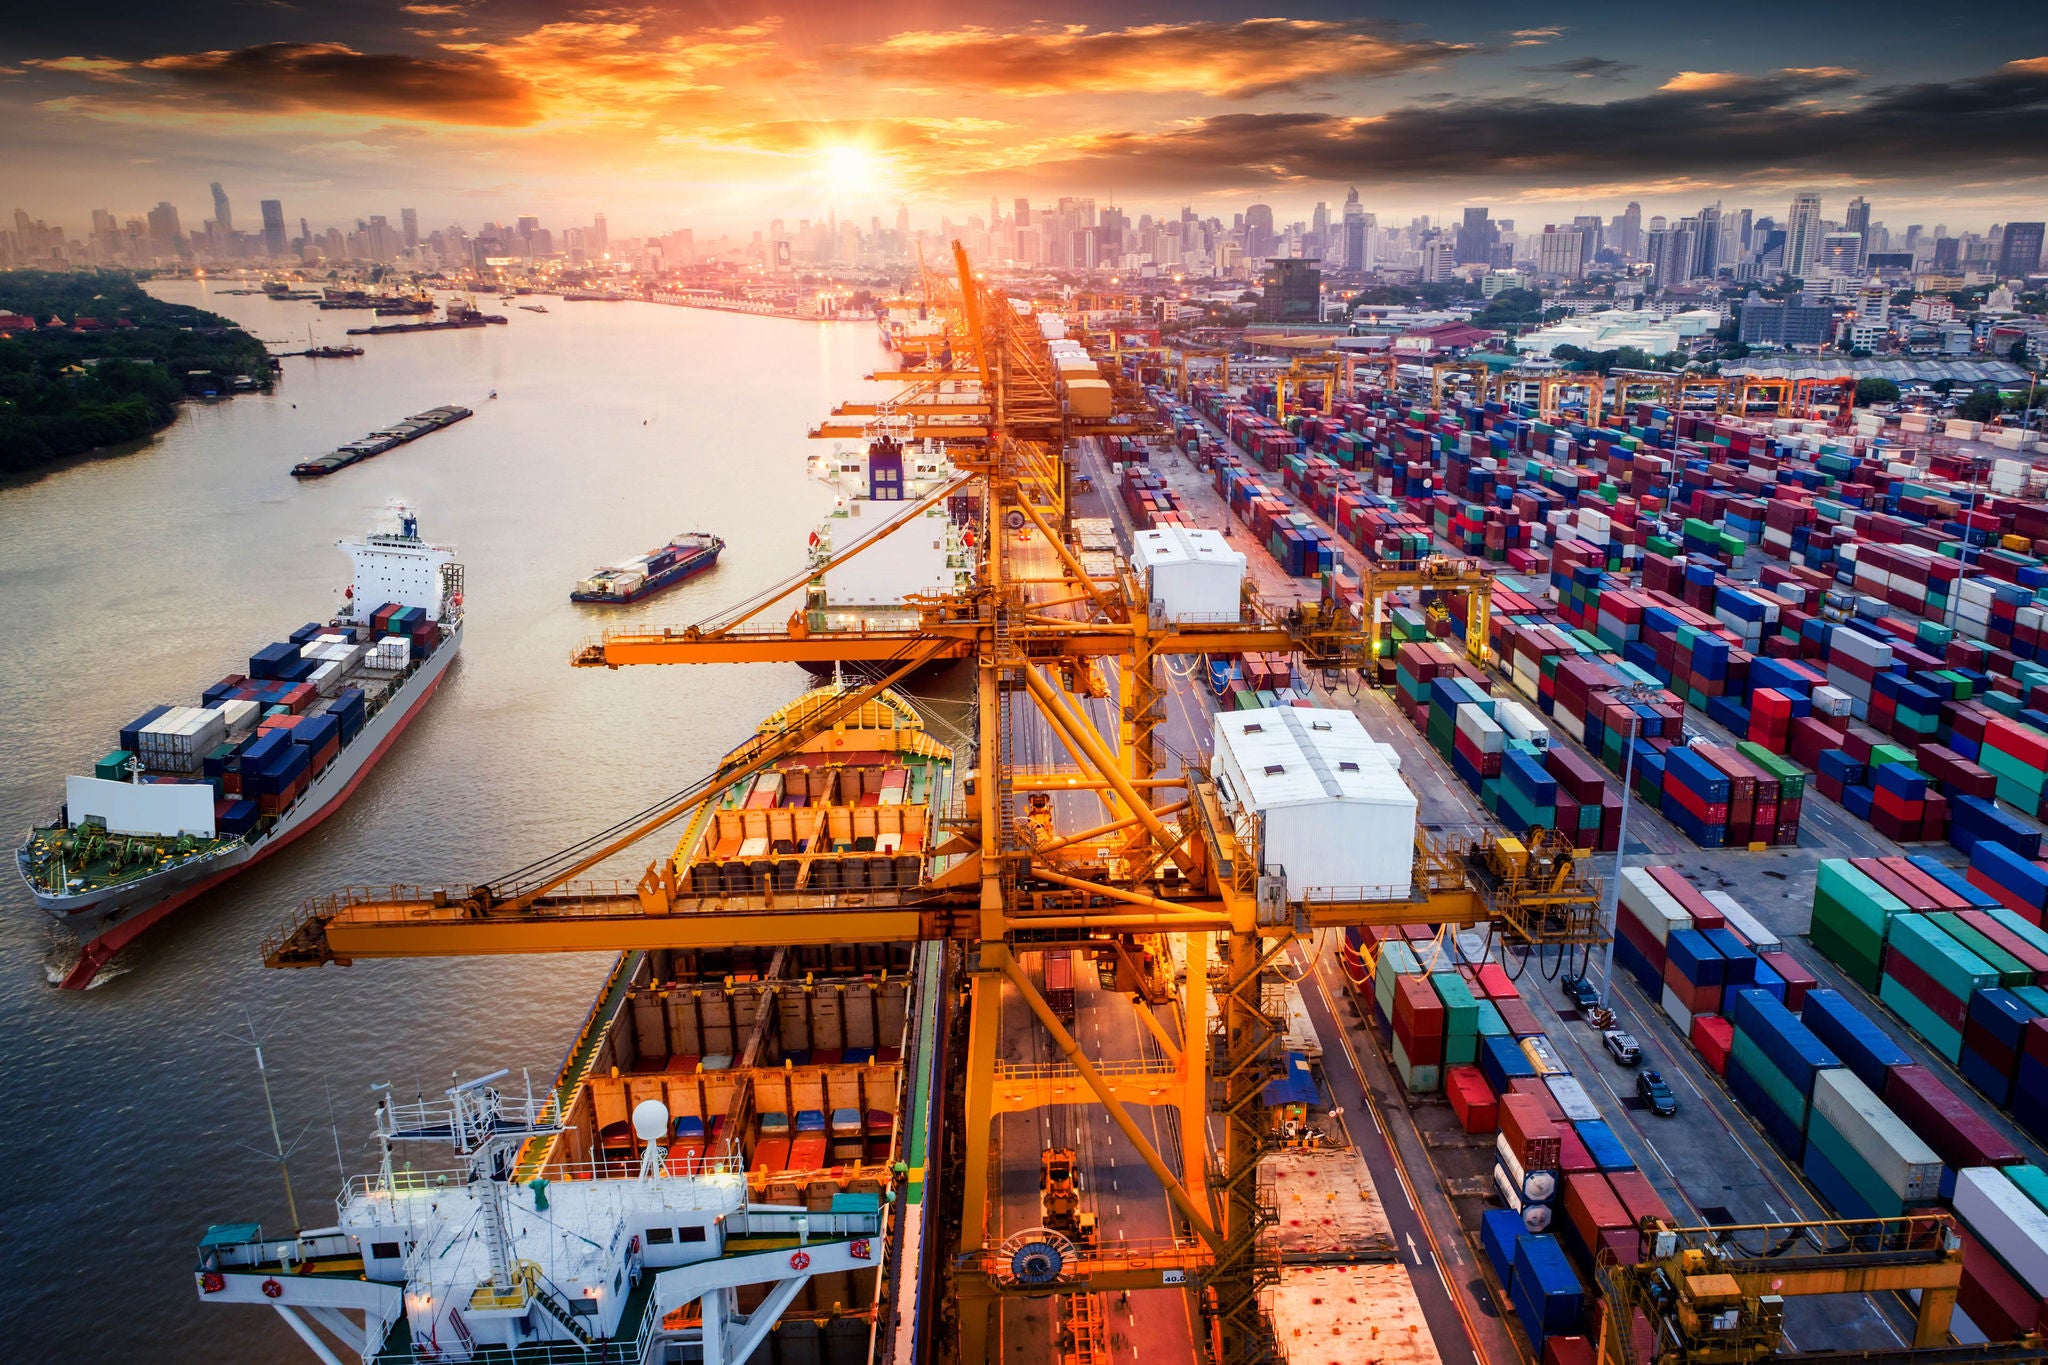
1519 1018
1569 1350
1996 1300
1530 1133
1713 1036
1632 1188
1471 1099
1591 1206
1494 979
1959 1135
1798 981
1908 973
1572 1155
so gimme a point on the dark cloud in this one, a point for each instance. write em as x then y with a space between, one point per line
1585 68
1700 124
1251 57
334 78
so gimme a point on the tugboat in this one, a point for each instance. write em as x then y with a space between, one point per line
664 567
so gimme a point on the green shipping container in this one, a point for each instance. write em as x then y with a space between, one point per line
1954 968
2011 972
1922 1020
112 768
1822 1137
1783 1093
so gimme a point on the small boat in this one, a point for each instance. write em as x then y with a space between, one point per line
534 307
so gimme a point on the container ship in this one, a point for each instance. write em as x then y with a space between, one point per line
740 1129
875 487
910 330
193 795
684 557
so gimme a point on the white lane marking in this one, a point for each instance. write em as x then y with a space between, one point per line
1414 1250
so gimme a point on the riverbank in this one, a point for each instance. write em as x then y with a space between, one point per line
90 362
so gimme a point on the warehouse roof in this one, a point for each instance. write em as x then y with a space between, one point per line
1294 756
1184 545
1912 371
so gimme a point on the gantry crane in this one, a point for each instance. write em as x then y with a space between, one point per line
1443 373
1716 1295
1171 857
1443 573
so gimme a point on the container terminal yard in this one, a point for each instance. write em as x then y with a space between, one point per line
1369 784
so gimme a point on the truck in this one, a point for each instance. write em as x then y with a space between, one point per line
1059 1196
1059 984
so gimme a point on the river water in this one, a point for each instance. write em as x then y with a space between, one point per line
132 581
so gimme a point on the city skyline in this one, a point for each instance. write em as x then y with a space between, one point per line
468 111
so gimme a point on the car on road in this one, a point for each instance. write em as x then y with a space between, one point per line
1624 1046
1580 992
1655 1093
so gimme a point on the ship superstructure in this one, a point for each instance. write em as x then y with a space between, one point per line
746 1129
195 794
876 487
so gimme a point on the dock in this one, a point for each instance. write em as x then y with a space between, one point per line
377 442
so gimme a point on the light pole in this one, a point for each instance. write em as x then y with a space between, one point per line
1634 692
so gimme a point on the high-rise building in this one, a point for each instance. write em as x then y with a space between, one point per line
1858 221
1259 237
2019 252
222 218
1631 243
1591 231
1357 233
1802 233
164 233
1439 261
409 224
1840 254
382 243
1319 231
1948 253
1476 236
1561 253
273 227
1778 322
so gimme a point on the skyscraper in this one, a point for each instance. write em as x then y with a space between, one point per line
1561 253
2019 251
1802 233
1319 231
1476 236
1259 237
409 224
273 227
601 234
1631 244
222 218
1357 246
163 228
1858 222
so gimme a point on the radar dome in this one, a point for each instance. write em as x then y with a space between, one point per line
650 1120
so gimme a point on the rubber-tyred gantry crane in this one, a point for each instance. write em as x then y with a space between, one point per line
1170 857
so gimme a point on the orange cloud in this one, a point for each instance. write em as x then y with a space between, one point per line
1252 57
1692 82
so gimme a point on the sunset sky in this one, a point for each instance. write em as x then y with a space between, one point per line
720 116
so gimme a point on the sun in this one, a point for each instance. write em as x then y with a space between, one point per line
849 168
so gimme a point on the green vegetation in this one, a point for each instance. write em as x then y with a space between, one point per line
65 392
1622 358
1875 390
1513 308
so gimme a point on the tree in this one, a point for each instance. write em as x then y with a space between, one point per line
2017 354
1981 406
1875 390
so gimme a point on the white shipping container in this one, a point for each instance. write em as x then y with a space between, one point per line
1654 908
1830 701
241 716
1742 922
1861 648
1908 1167
1675 1007
326 679
1572 1098
1481 729
2005 1220
1519 721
